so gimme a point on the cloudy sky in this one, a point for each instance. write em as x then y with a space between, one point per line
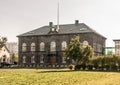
20 16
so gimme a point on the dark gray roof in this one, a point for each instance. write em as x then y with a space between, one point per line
64 29
116 40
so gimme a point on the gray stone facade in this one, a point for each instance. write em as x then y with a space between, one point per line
44 47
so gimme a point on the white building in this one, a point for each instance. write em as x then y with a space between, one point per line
5 55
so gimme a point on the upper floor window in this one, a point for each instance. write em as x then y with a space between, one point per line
99 48
24 47
53 46
33 47
85 43
64 45
117 43
42 46
94 47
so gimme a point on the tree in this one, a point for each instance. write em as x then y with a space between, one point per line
87 53
3 41
15 58
77 51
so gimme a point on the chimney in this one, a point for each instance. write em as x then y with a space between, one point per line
76 22
50 24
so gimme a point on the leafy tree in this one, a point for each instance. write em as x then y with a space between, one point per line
86 54
77 51
3 41
15 58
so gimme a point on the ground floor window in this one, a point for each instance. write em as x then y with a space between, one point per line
4 58
24 59
42 59
33 59
63 59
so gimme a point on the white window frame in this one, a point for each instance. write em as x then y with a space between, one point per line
42 46
53 46
33 59
42 59
33 47
64 45
24 47
24 59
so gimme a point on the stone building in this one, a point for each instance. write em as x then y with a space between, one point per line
44 47
117 46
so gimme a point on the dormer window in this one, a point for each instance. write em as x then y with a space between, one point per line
51 26
82 29
53 29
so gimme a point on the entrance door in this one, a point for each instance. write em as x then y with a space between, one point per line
53 60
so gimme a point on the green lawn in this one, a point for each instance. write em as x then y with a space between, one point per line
57 77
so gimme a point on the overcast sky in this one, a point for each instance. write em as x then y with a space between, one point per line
20 16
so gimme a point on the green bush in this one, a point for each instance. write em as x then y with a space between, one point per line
108 63
71 67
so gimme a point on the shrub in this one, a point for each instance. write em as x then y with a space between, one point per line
71 67
90 67
78 67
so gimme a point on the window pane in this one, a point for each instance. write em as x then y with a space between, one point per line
42 59
24 59
33 47
64 45
24 47
53 46
42 46
63 59
33 59
85 43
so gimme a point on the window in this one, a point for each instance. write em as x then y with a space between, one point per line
33 47
64 45
42 59
94 46
117 51
24 47
24 59
42 46
117 43
99 48
33 59
4 58
85 43
83 29
63 59
53 29
52 46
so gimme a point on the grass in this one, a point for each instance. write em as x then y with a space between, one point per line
57 77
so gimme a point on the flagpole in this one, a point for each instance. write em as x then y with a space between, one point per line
58 17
